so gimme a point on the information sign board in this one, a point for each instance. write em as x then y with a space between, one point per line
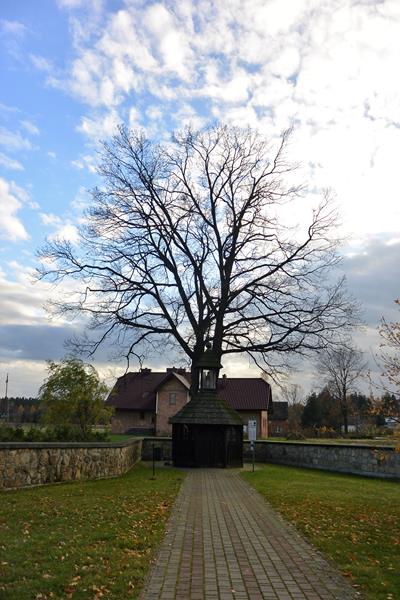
252 431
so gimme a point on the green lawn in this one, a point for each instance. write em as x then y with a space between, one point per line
354 521
121 437
381 441
87 540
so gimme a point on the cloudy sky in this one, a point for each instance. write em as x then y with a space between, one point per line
71 70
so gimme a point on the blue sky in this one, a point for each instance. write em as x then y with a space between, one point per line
71 70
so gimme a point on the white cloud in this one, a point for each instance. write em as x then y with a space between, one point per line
11 227
78 164
33 205
12 35
22 194
66 231
100 126
41 63
81 201
10 163
65 226
235 90
14 28
76 4
30 127
154 113
329 67
13 140
49 219
5 108
70 3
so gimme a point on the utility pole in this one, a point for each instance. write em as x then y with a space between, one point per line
7 401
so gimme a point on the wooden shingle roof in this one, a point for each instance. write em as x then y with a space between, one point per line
207 409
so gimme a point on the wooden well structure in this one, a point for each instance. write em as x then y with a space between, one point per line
207 432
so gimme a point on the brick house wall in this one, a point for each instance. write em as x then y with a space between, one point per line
278 428
145 401
264 424
171 397
125 420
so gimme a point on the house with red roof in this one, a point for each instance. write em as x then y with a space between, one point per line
278 420
145 400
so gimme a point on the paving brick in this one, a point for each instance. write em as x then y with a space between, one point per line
224 542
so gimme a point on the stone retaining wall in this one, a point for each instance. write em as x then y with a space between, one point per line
370 461
31 463
162 447
28 464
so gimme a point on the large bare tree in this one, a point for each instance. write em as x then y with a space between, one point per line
185 242
341 366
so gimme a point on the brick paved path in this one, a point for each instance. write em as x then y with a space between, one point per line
224 542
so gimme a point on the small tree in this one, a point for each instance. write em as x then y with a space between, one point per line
312 413
73 395
321 410
341 367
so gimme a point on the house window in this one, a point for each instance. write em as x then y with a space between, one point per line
142 416
172 399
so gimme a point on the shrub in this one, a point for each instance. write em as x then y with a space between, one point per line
295 435
51 434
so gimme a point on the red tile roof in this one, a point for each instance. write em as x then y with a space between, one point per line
245 393
137 391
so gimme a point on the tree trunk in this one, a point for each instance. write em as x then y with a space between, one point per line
345 420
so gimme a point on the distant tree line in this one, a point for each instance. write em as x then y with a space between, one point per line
321 414
20 409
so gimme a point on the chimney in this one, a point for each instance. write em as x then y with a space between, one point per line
145 370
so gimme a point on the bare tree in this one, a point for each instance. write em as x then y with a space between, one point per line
185 242
390 334
293 394
389 405
341 367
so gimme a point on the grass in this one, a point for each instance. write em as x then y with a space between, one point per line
87 540
379 441
121 437
354 521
